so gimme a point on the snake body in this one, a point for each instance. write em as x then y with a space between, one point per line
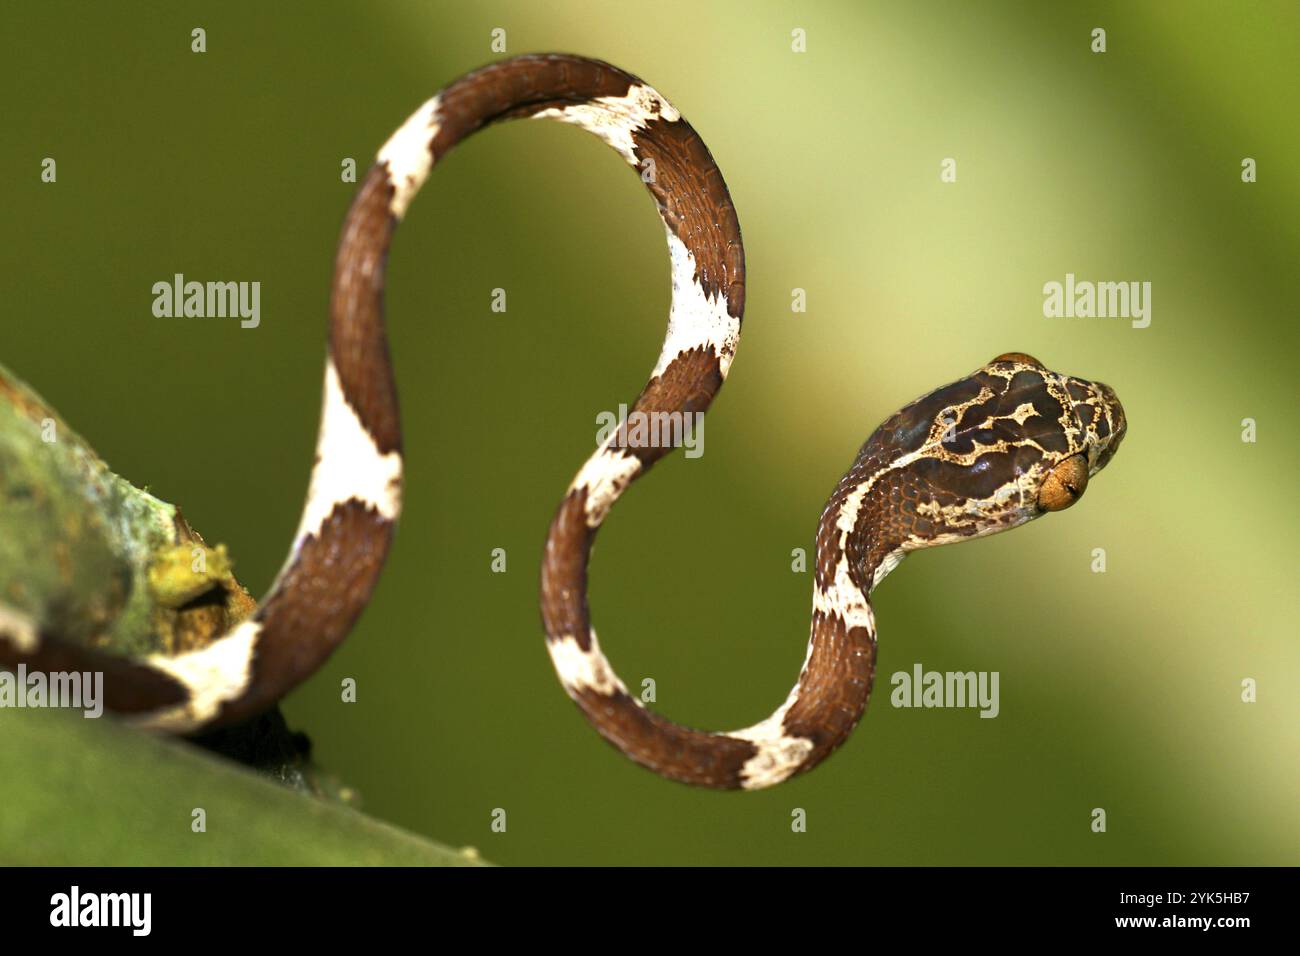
981 455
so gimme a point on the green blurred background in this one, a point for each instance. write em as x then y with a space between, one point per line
1119 690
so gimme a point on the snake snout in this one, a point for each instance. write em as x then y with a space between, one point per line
1111 426
1120 423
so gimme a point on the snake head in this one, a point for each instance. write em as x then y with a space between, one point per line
1077 425
1007 444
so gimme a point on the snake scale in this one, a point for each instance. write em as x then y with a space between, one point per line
1002 446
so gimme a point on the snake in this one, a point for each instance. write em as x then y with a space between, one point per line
1007 443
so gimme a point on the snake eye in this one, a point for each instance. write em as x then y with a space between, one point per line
1064 485
1020 357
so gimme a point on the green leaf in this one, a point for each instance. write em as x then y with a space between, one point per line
85 792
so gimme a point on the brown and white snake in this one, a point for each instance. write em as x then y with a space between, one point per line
1000 447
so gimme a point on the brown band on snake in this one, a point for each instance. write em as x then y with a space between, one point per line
130 687
358 341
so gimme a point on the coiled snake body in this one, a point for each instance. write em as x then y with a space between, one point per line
981 455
